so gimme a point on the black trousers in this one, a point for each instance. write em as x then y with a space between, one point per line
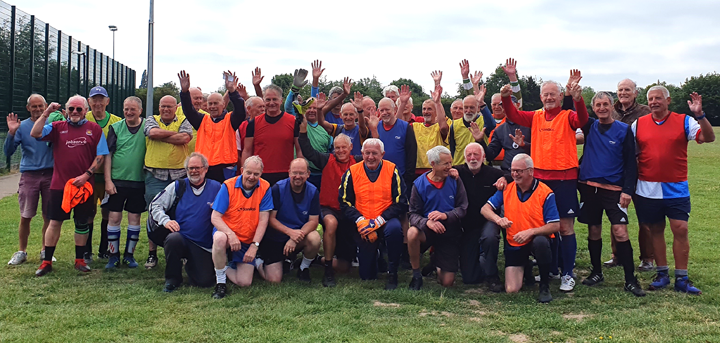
479 250
199 266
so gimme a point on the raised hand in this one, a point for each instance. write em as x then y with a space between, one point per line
321 100
357 102
575 91
242 91
373 120
480 94
506 91
257 76
465 69
231 81
575 77
347 85
695 104
437 77
184 81
299 79
510 67
476 132
12 123
437 94
317 69
518 138
476 78
404 93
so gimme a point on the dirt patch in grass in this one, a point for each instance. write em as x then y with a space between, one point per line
382 304
475 291
577 317
425 313
519 338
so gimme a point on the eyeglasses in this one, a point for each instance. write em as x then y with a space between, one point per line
518 171
73 109
194 168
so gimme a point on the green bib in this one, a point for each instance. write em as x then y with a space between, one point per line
127 161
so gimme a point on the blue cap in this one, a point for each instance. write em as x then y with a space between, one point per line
98 90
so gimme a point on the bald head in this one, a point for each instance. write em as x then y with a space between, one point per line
198 100
215 104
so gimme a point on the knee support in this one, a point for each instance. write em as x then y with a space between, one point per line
82 228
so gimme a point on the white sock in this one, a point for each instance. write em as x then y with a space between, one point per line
258 262
305 263
220 276
113 239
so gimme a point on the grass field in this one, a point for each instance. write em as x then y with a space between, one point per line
129 305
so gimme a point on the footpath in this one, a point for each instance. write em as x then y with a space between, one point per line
9 185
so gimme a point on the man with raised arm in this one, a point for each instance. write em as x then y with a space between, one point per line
241 211
437 204
83 148
293 224
606 181
124 181
662 189
98 100
433 131
338 231
35 173
354 123
530 218
503 142
372 195
555 155
273 135
216 131
184 228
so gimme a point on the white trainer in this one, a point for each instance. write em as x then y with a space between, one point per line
18 258
567 283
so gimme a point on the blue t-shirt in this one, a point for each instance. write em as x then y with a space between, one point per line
36 155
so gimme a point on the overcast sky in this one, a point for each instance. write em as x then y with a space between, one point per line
606 40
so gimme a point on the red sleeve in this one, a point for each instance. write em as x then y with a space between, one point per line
580 118
522 118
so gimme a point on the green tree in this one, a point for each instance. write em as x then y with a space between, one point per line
708 86
167 88
418 95
588 93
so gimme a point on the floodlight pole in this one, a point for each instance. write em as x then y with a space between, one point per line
149 103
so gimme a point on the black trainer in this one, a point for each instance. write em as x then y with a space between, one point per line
428 270
392 281
415 283
544 296
495 285
634 288
169 287
220 291
304 275
594 279
329 278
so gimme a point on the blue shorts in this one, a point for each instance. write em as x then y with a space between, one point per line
653 211
566 198
235 257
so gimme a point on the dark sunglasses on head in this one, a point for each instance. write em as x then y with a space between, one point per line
72 109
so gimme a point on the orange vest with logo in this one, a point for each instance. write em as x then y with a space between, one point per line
553 142
501 155
372 198
243 214
217 141
524 215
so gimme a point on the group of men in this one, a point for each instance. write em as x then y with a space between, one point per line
243 191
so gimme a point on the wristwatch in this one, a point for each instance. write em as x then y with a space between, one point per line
256 244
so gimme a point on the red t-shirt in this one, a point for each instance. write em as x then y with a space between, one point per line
74 149
273 141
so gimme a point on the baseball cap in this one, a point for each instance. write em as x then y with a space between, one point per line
98 90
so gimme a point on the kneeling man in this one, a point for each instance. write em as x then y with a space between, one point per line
293 223
437 203
531 218
240 215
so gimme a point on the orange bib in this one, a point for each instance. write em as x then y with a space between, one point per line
243 214
524 215
217 141
372 198
553 142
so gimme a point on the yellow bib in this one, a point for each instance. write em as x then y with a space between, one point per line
161 155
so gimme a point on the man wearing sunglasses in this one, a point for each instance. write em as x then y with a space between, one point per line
98 101
83 148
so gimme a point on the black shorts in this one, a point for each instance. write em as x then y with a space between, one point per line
653 211
446 249
518 256
593 200
81 213
128 199
272 252
566 197
345 247
273 178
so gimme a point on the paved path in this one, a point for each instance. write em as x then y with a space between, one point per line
9 185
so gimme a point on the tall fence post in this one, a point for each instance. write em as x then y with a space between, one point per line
11 89
47 59
32 53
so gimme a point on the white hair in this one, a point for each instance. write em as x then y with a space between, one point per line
203 159
525 158
256 159
474 144
373 141
251 101
397 102
551 82
335 90
392 103
664 90
633 82
602 95
36 95
343 137
390 88
433 154
78 96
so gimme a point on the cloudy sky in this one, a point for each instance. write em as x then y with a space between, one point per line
606 40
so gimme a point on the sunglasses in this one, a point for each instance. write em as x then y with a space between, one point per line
73 109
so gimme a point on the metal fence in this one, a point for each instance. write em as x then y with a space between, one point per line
38 58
